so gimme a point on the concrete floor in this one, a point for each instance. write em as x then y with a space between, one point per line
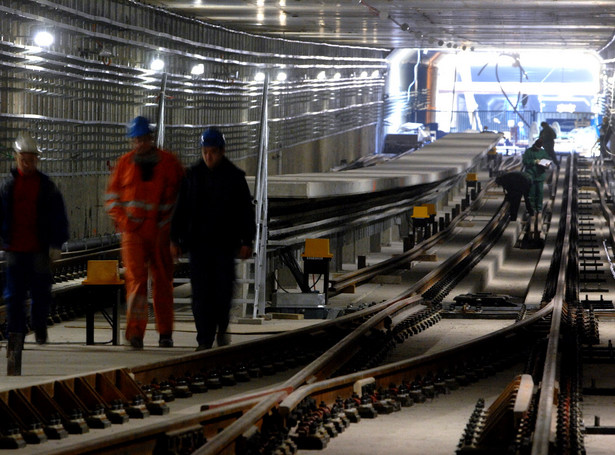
66 354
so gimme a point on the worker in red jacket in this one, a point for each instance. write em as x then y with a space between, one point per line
33 227
140 198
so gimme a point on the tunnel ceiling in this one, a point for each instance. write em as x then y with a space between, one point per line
482 24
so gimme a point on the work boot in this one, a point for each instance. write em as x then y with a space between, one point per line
40 335
14 350
223 339
136 343
165 341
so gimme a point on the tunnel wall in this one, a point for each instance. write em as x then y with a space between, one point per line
77 95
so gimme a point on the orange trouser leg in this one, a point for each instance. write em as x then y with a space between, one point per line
135 257
161 266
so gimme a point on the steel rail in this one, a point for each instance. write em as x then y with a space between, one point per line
345 212
320 368
332 386
362 275
327 390
359 276
197 361
204 424
297 218
334 358
398 370
543 429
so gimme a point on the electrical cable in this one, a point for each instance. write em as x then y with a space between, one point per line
279 285
416 69
497 76
521 74
315 282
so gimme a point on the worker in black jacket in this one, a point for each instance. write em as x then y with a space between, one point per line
214 222
516 184
548 136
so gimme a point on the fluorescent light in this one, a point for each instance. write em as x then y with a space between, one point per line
337 76
281 76
43 39
259 77
376 73
321 76
157 64
198 69
363 74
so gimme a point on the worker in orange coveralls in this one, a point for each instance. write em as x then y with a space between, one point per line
140 198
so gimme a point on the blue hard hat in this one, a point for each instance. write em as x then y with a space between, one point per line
138 127
212 137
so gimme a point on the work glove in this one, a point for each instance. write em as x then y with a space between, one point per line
54 254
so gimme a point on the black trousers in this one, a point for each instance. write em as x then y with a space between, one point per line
514 200
212 275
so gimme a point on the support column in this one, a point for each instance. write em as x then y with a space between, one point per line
375 243
362 247
337 246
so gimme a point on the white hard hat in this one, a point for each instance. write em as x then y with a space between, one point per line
25 144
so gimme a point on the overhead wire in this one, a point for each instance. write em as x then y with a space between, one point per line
522 73
416 69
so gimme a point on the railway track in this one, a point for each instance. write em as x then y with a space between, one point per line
318 363
322 379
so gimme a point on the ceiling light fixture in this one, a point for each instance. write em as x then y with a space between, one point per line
259 77
281 77
43 39
157 64
197 69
